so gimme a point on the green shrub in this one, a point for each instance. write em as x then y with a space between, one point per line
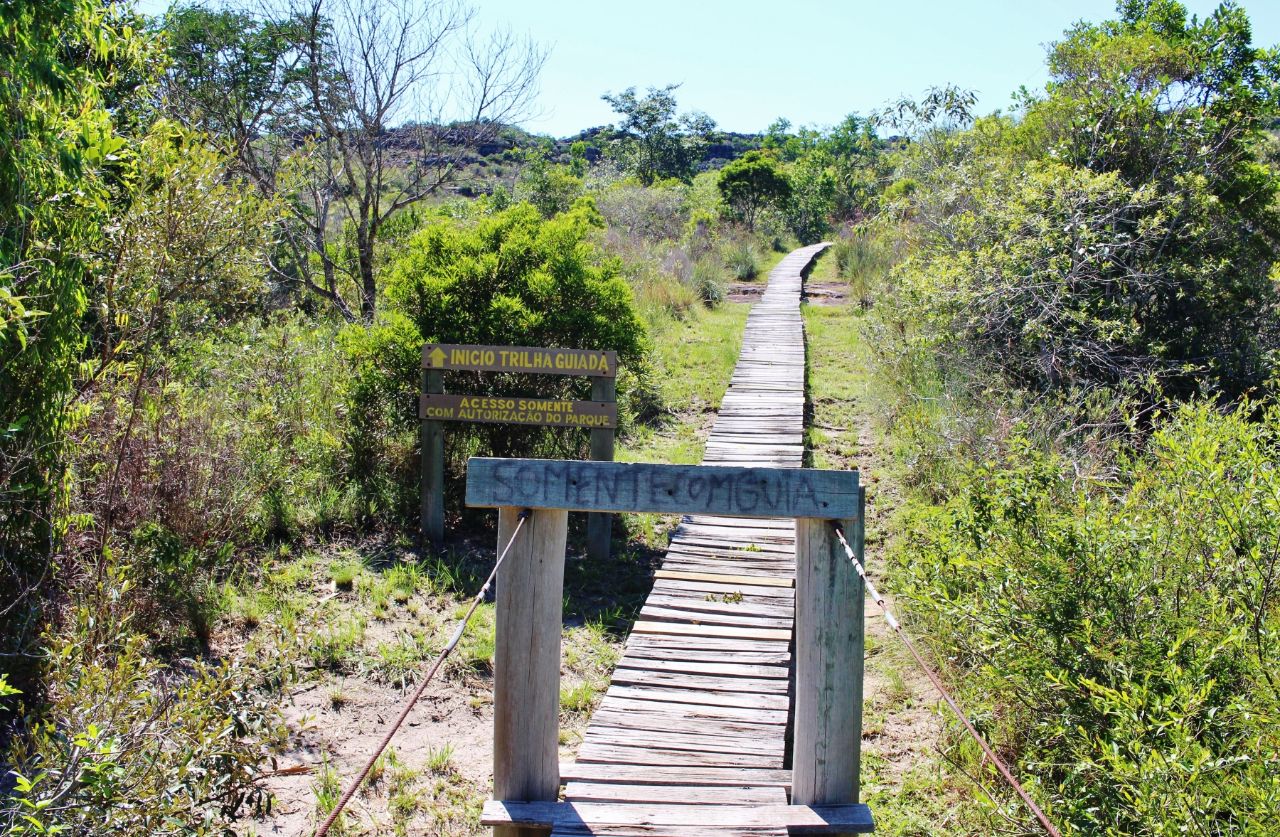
508 279
707 281
863 260
1120 640
742 260
126 746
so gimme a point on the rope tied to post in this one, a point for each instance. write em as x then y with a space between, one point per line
892 622
426 681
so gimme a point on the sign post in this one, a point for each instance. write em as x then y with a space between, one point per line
599 415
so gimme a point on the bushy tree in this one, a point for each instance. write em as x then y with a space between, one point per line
59 62
550 187
751 183
655 143
510 279
1125 230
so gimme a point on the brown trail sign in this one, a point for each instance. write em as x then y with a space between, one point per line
599 415
523 359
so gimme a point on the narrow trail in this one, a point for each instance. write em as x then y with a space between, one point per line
698 708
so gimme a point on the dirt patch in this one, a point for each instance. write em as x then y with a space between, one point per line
745 292
453 717
826 293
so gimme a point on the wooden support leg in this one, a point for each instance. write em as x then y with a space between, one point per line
526 681
432 523
600 524
829 652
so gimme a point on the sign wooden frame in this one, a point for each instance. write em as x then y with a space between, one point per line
599 415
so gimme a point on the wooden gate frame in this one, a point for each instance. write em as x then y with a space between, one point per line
603 389
828 643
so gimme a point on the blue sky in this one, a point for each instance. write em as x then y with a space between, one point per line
746 63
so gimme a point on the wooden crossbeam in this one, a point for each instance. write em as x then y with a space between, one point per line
798 819
663 489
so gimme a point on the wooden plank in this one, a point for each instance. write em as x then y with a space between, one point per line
707 666
432 453
719 700
673 489
807 819
672 794
641 677
526 689
631 699
671 775
600 524
622 754
684 616
534 360
546 412
622 735
725 578
677 722
678 628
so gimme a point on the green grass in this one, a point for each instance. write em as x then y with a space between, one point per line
839 373
694 360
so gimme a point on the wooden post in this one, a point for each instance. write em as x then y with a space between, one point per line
526 677
600 524
432 523
827 748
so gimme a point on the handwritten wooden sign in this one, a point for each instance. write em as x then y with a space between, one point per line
525 359
548 412
666 489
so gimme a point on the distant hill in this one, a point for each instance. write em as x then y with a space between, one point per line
724 147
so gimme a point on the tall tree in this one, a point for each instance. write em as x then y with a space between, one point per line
655 143
352 110
751 183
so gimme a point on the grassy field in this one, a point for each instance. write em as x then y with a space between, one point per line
694 359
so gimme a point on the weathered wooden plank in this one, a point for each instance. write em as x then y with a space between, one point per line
722 776
642 699
808 819
621 735
674 489
672 794
725 578
674 613
641 677
648 627
707 665
676 722
720 700
621 754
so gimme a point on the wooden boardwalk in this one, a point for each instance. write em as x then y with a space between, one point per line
697 714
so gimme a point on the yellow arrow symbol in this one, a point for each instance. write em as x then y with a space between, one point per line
437 356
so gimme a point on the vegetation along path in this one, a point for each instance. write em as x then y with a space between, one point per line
698 707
